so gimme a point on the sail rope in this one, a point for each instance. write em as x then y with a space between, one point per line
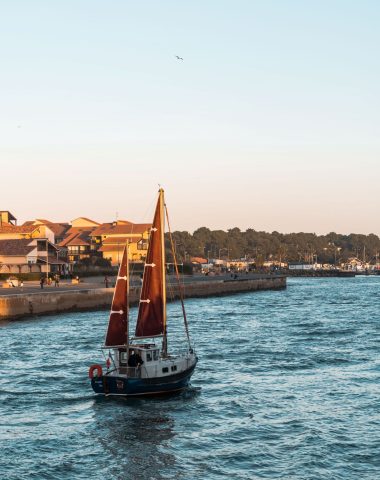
180 286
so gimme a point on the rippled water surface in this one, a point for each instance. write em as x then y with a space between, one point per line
287 386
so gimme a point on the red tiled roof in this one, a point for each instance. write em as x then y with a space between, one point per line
79 230
16 247
19 229
198 260
73 240
112 229
78 241
56 227
124 222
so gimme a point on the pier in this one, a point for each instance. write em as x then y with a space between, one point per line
16 303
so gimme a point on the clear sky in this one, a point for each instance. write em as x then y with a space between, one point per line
270 122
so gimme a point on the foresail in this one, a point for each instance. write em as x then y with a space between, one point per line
150 320
117 332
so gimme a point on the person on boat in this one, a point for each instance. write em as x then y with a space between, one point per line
135 360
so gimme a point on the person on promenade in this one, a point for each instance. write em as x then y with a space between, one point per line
56 280
42 282
106 281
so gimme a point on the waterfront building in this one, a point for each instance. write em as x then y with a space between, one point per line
84 223
238 265
6 218
12 231
29 255
110 239
300 266
356 265
59 229
274 264
77 243
76 246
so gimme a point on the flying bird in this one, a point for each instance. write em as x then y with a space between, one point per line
178 58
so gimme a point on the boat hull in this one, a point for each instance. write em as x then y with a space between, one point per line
122 385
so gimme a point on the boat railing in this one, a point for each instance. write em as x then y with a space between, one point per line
131 372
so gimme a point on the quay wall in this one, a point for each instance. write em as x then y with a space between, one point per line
28 305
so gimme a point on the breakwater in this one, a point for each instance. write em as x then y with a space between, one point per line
47 302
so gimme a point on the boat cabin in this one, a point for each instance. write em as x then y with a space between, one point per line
148 352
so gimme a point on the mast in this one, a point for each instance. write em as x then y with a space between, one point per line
163 267
127 293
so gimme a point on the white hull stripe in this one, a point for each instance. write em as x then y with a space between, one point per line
123 278
150 265
145 301
120 312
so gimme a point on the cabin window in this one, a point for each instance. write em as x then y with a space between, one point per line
148 356
174 368
123 357
165 370
155 354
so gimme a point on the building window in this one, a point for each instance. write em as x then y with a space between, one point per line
142 245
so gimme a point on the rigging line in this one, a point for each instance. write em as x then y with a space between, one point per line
109 355
180 289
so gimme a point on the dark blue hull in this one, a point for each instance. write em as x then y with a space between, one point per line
114 385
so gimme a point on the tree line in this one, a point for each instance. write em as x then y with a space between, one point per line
260 246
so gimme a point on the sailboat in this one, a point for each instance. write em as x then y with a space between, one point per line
141 364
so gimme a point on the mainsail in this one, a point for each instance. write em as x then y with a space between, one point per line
117 332
151 320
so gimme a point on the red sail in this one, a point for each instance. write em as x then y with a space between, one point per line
150 320
117 332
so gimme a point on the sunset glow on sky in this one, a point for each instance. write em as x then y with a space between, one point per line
271 121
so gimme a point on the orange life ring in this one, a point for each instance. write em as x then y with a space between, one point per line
96 367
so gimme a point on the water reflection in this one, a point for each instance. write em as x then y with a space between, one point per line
135 434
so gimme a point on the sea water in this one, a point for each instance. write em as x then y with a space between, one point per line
287 387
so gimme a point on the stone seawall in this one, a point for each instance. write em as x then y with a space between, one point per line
26 305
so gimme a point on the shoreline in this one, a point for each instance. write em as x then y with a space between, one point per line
16 306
